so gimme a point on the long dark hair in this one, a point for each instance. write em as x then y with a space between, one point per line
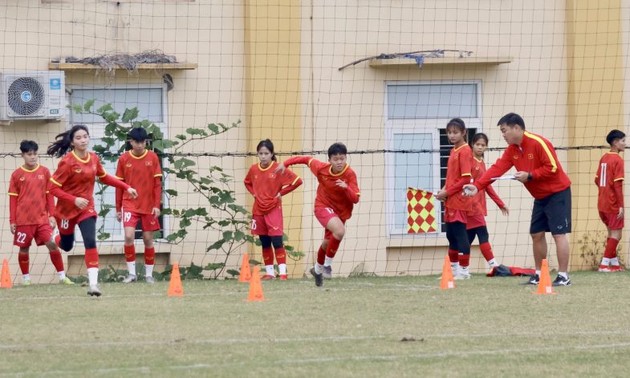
267 143
63 141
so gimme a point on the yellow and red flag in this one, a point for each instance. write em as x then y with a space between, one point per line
420 211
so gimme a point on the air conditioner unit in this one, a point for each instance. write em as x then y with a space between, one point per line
32 95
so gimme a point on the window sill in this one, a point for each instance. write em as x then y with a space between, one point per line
398 62
139 67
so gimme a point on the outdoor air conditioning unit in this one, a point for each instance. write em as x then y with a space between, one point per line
32 95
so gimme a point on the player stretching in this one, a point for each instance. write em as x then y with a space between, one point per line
73 185
609 180
140 169
31 209
268 187
337 193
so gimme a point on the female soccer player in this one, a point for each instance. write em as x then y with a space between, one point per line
457 206
337 193
476 225
268 187
73 185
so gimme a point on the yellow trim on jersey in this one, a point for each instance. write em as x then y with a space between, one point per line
554 165
87 160
340 173
618 179
104 174
309 161
157 175
120 178
30 170
296 180
13 194
55 182
138 157
264 169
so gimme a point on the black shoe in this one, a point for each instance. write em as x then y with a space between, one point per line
561 281
533 280
319 278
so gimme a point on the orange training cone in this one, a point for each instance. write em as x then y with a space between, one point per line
255 288
447 281
175 288
544 284
5 277
246 271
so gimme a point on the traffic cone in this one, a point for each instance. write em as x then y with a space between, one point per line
175 288
544 284
5 277
447 281
246 272
255 288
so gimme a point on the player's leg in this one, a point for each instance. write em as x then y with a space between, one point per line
337 230
558 212
453 249
88 232
614 236
485 247
463 247
267 255
130 220
281 256
44 235
65 238
150 224
24 262
22 238
275 229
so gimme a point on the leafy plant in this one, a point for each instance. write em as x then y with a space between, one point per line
592 245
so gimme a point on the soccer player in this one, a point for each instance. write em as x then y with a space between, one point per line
337 193
609 180
140 169
73 185
31 209
456 205
476 225
538 168
268 187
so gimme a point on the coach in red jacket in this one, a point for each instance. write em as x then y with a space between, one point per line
538 168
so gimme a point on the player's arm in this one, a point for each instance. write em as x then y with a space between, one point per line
286 189
353 193
306 160
249 184
157 194
502 165
12 211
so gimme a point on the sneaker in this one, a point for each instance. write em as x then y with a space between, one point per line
561 281
94 291
283 277
319 278
130 278
267 277
66 281
533 280
26 283
327 272
462 275
604 268
616 268
150 280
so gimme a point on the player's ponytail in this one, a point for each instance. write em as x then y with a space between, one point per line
63 141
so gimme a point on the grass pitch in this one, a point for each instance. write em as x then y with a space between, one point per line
358 327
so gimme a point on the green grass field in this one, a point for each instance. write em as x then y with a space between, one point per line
358 327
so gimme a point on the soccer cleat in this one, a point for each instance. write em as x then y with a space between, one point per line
616 268
533 280
604 268
283 277
327 272
66 281
561 281
26 283
150 280
130 278
267 277
94 291
319 278
461 275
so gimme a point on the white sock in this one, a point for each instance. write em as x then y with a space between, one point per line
328 261
455 267
62 274
269 270
605 261
563 274
149 270
538 272
26 277
92 276
493 263
131 267
614 261
282 269
319 268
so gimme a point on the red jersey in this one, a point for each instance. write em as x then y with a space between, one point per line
143 173
328 193
458 173
537 156
29 190
610 171
265 184
479 205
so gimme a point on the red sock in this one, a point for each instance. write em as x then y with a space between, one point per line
321 255
281 256
57 260
453 255
23 260
91 258
486 251
58 239
464 260
149 256
611 248
267 254
130 253
333 246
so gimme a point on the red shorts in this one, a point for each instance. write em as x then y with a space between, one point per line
453 215
475 221
269 224
149 221
611 221
24 234
66 226
324 215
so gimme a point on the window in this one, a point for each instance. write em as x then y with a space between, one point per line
151 104
416 116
